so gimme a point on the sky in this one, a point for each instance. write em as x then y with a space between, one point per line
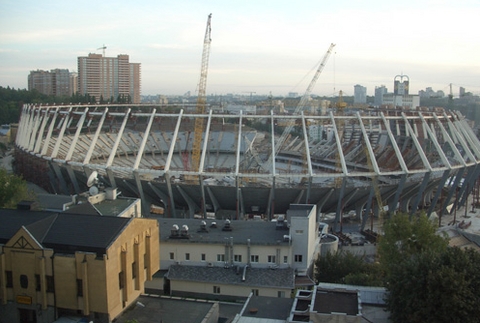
258 46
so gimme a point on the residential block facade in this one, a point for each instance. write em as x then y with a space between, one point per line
56 82
109 78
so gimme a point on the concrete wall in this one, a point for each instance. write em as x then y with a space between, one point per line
182 288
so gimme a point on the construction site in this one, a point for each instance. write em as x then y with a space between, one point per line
205 163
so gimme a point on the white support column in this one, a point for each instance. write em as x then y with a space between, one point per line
465 129
450 141
339 145
391 136
49 134
307 148
239 141
117 141
38 142
33 131
60 135
88 156
371 156
172 143
205 143
420 151
27 126
73 144
437 145
144 140
272 136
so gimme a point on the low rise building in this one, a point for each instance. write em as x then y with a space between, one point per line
223 259
57 264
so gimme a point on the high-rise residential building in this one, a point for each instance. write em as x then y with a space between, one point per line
56 82
359 94
380 91
109 78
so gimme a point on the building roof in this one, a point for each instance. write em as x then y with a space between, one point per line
12 220
65 233
259 232
161 309
336 301
273 308
260 277
71 232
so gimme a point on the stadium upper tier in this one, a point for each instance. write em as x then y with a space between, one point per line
393 158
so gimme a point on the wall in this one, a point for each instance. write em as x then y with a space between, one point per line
181 247
182 288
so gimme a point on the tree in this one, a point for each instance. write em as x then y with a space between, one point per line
13 189
435 287
347 268
404 237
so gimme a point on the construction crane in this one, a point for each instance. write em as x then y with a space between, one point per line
103 47
301 105
202 98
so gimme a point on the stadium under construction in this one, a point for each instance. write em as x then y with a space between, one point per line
362 163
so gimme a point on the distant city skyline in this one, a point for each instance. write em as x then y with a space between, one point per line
262 47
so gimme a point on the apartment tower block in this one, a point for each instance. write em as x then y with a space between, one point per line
109 78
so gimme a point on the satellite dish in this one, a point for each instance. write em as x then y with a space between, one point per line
93 190
92 179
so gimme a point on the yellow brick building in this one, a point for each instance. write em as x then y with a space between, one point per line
65 264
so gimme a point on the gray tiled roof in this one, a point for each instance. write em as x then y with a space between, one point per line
12 220
65 233
84 231
260 277
259 232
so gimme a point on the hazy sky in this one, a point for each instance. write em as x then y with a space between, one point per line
257 46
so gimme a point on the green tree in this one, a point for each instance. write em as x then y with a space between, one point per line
347 268
404 237
13 189
435 287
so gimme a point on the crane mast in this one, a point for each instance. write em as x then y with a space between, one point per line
201 99
301 105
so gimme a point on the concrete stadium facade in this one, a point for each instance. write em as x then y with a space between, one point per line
357 162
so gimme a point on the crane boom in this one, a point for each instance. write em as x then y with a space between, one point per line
301 105
201 99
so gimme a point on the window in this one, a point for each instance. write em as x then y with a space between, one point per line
271 259
121 280
187 256
24 281
50 284
255 292
203 257
299 231
220 257
38 286
281 294
216 289
172 256
253 258
298 258
134 270
145 261
9 282
237 258
285 259
79 287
